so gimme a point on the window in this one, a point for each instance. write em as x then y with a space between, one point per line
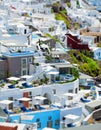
24 63
39 125
30 94
25 31
10 98
38 122
54 91
76 90
49 124
30 60
38 119
57 122
49 118
70 91
24 72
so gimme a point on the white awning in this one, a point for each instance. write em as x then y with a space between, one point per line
39 98
24 99
13 78
6 102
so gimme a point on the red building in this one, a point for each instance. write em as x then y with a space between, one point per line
75 43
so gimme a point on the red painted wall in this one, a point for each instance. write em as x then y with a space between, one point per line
8 128
75 43
26 103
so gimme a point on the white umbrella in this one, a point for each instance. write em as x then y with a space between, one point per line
24 99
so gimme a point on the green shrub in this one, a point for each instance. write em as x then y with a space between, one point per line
85 63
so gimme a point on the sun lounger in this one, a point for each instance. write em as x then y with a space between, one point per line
8 111
24 109
84 100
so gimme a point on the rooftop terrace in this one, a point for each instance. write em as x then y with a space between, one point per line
19 54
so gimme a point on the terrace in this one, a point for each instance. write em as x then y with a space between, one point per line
19 54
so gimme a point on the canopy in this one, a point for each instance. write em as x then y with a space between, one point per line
13 78
24 99
6 102
39 98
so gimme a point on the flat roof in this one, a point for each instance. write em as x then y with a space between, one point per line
94 104
62 65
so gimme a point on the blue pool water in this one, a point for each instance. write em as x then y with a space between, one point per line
34 36
2 119
24 53
49 118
